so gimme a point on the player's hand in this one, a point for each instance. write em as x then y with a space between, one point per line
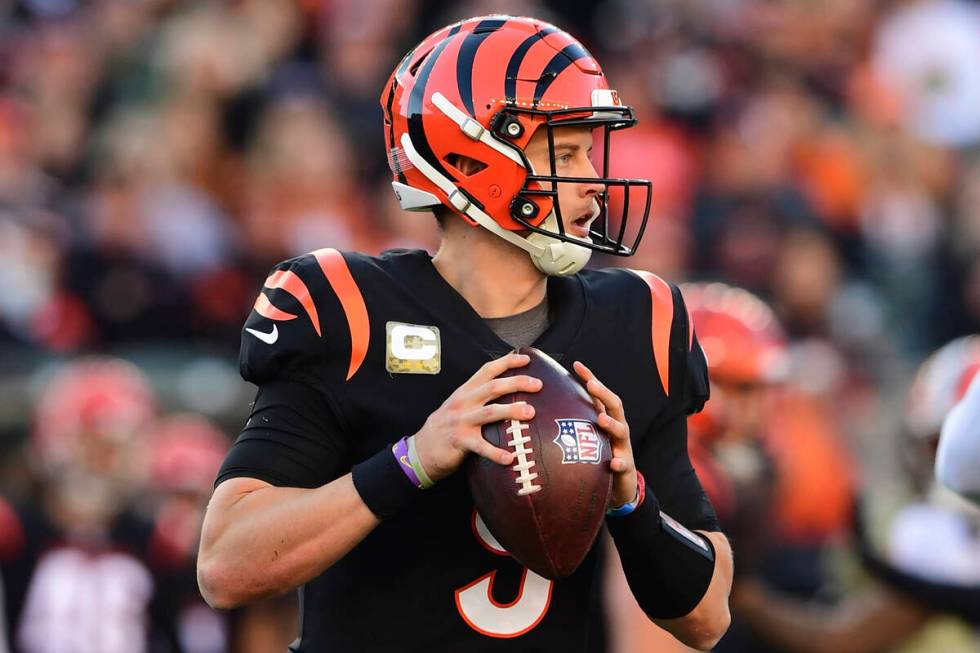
455 428
612 420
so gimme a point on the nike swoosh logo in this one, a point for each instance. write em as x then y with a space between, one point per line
268 338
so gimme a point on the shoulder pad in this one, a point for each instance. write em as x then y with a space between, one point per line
676 352
310 319
661 323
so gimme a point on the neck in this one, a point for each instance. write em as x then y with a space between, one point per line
496 278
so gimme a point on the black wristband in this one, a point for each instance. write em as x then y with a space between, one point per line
382 484
669 567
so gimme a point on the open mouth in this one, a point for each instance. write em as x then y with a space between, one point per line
579 227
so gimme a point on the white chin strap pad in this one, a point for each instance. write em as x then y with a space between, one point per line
556 257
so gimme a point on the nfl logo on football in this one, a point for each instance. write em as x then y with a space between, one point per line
578 441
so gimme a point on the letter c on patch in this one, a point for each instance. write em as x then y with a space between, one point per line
399 342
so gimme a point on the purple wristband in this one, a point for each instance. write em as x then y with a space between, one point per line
400 451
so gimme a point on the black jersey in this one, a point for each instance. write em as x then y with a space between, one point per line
352 352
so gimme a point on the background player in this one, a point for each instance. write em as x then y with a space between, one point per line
929 566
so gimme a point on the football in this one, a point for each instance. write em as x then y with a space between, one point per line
548 506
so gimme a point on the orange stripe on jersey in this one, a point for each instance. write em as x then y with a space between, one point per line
338 274
265 308
662 316
294 285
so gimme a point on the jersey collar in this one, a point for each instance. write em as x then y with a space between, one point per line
566 299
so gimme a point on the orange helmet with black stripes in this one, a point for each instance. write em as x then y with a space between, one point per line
739 333
480 89
88 412
742 342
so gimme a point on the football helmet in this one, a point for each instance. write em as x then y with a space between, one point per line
480 89
742 343
959 446
741 338
939 383
88 410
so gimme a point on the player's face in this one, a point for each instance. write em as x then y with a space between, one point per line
573 146
742 406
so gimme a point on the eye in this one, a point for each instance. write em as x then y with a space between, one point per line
563 159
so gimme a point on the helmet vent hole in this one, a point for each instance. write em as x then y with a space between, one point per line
465 165
418 63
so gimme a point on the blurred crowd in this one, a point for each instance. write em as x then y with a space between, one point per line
158 156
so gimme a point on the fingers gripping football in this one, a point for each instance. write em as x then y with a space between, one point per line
454 429
612 419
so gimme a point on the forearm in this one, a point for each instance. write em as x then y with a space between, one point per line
877 621
259 540
701 625
680 579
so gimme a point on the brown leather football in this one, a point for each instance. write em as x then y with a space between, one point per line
547 507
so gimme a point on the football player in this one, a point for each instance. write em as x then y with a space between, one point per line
778 477
60 552
375 375
761 445
930 565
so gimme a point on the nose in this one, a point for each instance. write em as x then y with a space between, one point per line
590 189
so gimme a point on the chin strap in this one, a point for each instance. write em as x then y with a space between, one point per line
559 258
551 256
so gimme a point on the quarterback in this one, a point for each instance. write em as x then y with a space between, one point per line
375 375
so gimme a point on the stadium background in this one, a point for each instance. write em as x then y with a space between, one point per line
158 156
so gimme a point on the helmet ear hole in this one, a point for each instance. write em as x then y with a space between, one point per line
467 166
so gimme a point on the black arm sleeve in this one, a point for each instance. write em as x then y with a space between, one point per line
667 573
292 438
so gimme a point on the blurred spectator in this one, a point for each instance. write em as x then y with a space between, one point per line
101 555
300 188
936 80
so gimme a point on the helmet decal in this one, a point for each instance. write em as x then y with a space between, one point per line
467 53
514 64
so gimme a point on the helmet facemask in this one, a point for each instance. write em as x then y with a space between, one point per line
609 233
